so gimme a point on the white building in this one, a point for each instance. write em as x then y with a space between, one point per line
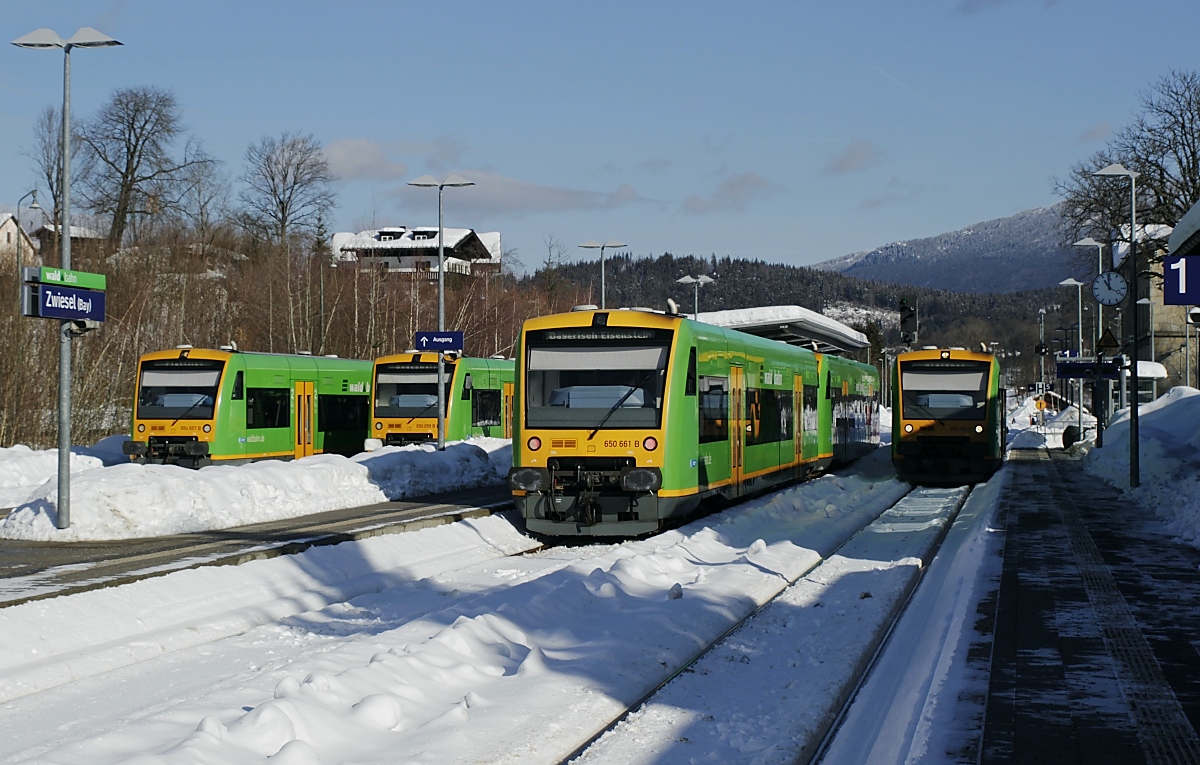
415 250
12 236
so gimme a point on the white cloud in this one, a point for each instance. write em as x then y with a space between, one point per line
857 156
353 159
732 194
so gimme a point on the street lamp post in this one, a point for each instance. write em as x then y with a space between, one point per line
1078 285
592 244
20 235
1114 170
697 282
428 181
1153 356
86 37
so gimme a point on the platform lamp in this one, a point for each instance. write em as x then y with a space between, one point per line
697 282
1118 170
428 181
44 39
20 234
592 244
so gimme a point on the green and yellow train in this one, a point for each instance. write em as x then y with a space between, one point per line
195 407
948 423
626 421
404 409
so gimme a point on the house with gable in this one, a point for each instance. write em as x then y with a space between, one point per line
399 249
15 242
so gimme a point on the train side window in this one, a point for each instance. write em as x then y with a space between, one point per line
485 408
238 391
268 408
769 412
714 409
468 384
341 413
690 386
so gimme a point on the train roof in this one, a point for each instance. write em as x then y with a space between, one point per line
945 353
790 324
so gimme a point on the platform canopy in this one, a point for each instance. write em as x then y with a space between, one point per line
1185 238
790 324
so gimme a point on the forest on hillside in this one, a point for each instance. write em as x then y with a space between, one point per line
1010 320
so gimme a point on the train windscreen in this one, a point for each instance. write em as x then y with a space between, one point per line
596 377
409 389
944 389
178 389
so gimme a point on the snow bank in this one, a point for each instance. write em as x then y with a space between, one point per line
128 500
1169 459
23 470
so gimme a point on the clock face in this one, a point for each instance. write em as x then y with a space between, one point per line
1110 288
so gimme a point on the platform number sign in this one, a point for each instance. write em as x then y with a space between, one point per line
1178 289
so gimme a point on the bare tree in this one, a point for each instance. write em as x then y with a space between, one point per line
128 165
288 183
1163 144
288 187
47 159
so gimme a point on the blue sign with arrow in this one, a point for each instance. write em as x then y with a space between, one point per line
439 341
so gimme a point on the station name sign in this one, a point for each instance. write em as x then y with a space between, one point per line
58 293
51 302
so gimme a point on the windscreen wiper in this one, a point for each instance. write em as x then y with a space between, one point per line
620 401
188 411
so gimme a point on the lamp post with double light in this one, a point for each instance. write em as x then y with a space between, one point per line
697 282
428 181
592 244
44 39
1117 170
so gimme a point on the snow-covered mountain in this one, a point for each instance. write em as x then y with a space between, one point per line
1021 252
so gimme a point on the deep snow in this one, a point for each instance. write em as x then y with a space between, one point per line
433 646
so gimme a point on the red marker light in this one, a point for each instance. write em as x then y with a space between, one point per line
651 443
534 443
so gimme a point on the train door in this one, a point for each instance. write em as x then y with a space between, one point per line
798 417
508 409
737 426
302 422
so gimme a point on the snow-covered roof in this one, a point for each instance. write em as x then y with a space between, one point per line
77 232
1151 370
401 240
1185 239
790 324
1146 233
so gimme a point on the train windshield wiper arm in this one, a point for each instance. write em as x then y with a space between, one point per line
620 401
188 411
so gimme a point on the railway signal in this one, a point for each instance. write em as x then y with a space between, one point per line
908 320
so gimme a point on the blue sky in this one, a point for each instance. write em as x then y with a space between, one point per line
791 132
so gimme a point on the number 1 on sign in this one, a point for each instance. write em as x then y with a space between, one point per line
1181 267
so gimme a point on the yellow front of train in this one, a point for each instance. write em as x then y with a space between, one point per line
947 416
175 408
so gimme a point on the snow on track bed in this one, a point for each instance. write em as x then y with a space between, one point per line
768 692
507 660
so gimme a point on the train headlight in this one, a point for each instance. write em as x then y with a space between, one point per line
207 428
141 427
978 428
908 427
534 443
650 442
379 424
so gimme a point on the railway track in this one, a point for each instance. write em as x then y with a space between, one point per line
914 528
38 570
